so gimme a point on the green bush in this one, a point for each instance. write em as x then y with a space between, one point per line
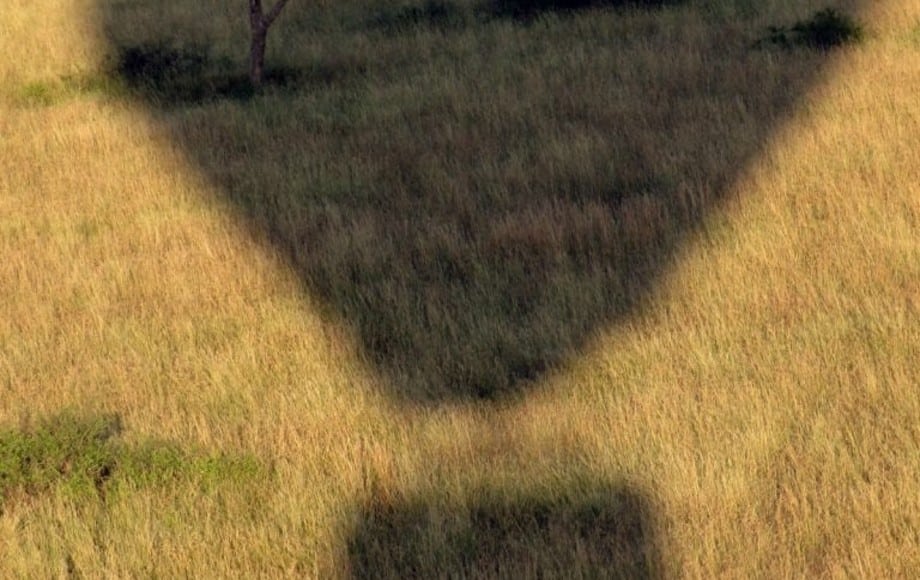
826 29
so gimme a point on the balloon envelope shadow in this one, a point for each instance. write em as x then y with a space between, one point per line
607 535
477 228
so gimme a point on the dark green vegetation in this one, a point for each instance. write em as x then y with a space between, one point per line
437 14
451 14
176 76
476 201
84 457
826 29
606 534
179 75
528 9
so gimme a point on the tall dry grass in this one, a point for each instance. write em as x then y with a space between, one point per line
754 412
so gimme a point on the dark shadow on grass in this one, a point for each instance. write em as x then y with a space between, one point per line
530 9
447 15
606 534
825 30
175 77
478 227
441 15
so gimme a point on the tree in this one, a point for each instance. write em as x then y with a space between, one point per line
259 23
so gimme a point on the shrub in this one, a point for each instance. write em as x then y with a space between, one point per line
158 64
439 14
166 72
826 29
170 76
526 9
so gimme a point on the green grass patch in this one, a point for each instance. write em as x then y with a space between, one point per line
49 92
86 457
38 93
914 35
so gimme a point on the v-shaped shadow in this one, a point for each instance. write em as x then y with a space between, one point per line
477 200
477 215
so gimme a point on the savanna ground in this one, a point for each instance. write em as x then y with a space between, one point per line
615 292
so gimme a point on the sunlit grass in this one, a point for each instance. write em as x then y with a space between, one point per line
759 408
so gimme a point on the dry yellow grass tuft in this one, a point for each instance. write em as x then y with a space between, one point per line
749 408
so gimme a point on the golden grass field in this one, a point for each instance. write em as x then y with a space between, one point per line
679 335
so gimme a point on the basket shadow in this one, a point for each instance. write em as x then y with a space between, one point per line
606 535
478 232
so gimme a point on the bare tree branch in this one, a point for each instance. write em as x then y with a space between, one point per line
274 12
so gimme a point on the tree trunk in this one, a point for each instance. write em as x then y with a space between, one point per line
257 56
259 22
